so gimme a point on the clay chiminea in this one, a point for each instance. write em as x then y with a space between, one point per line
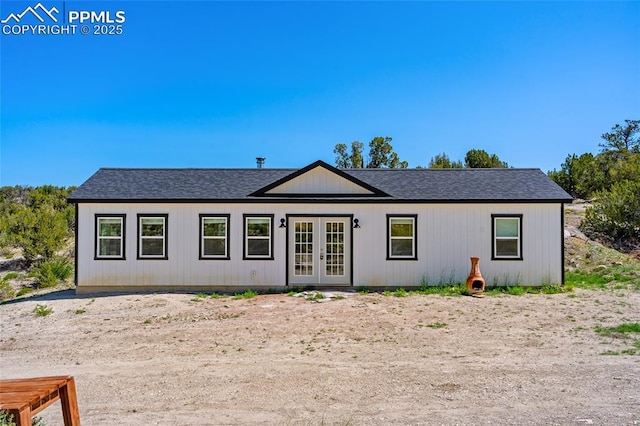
475 282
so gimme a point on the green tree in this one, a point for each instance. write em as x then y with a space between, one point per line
615 217
38 232
381 155
479 158
622 140
352 160
442 161
581 176
37 220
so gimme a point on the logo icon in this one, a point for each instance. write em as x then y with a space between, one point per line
34 11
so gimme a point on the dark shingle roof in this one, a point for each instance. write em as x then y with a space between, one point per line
402 185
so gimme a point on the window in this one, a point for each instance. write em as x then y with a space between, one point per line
507 237
258 243
214 236
401 232
110 236
152 236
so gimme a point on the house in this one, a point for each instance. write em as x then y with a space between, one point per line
235 229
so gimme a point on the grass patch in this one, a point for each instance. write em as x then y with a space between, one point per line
249 294
437 325
315 297
619 329
401 292
611 277
446 290
363 290
11 276
80 311
42 310
24 290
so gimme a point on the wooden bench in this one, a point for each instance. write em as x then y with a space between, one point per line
24 398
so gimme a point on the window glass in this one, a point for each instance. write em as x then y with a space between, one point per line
110 227
258 227
402 227
506 247
214 227
152 227
507 227
152 247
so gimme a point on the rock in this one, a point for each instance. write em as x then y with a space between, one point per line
13 264
599 268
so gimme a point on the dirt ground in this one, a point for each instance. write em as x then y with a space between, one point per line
359 359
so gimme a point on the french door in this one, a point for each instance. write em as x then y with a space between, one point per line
319 250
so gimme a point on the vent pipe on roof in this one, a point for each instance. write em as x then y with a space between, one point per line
260 162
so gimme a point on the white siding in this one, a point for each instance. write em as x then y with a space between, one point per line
319 181
447 235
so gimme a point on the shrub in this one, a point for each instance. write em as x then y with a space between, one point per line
615 217
39 232
6 419
42 310
49 273
6 291
249 294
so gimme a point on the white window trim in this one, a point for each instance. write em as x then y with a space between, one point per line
518 238
269 237
99 238
225 238
413 237
164 218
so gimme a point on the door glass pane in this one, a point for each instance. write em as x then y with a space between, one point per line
334 247
303 249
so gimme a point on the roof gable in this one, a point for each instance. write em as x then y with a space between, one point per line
319 179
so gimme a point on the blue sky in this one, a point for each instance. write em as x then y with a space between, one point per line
216 84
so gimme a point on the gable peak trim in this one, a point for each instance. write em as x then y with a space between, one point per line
263 192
